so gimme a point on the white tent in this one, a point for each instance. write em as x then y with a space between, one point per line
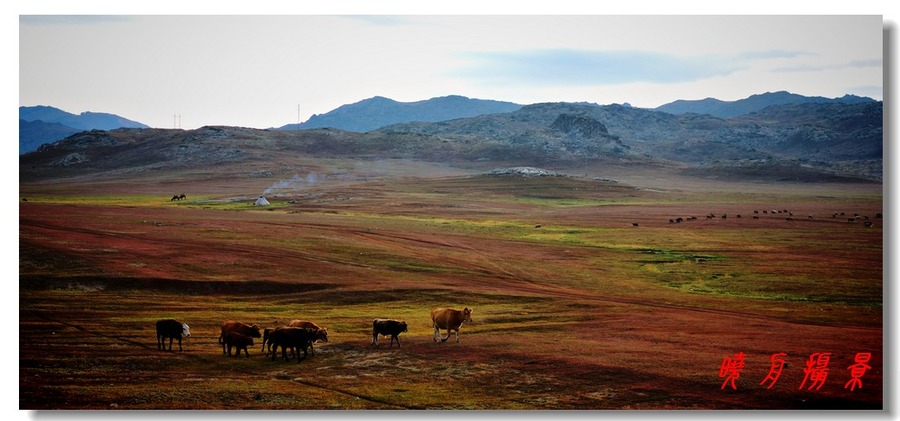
262 201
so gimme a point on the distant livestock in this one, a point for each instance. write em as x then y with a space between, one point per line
238 341
450 320
291 337
239 327
172 329
388 327
178 197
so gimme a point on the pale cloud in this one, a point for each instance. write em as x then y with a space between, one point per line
870 63
565 67
71 19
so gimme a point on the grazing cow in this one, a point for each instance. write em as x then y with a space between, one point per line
449 319
291 337
321 332
172 329
635 224
387 327
242 328
239 341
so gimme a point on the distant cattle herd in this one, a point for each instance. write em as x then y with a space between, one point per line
300 335
780 213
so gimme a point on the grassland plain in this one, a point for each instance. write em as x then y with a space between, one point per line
585 295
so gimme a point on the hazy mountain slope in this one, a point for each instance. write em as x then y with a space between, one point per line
84 121
750 104
33 134
57 124
376 112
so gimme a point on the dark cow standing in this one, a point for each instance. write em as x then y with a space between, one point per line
172 329
238 341
388 327
239 327
449 319
321 332
291 337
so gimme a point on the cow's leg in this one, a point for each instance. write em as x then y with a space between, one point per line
437 332
304 354
245 352
457 335
179 345
170 343
374 339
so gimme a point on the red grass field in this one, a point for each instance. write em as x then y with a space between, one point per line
574 306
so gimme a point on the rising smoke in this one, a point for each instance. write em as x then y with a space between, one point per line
295 183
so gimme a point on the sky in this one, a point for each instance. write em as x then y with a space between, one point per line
267 70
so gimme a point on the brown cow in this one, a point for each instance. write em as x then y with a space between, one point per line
242 328
449 319
239 341
172 329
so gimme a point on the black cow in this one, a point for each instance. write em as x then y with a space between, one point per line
388 327
172 329
291 337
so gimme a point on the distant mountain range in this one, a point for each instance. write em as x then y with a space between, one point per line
43 124
727 109
817 141
377 112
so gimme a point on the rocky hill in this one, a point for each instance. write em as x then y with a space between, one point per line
372 113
